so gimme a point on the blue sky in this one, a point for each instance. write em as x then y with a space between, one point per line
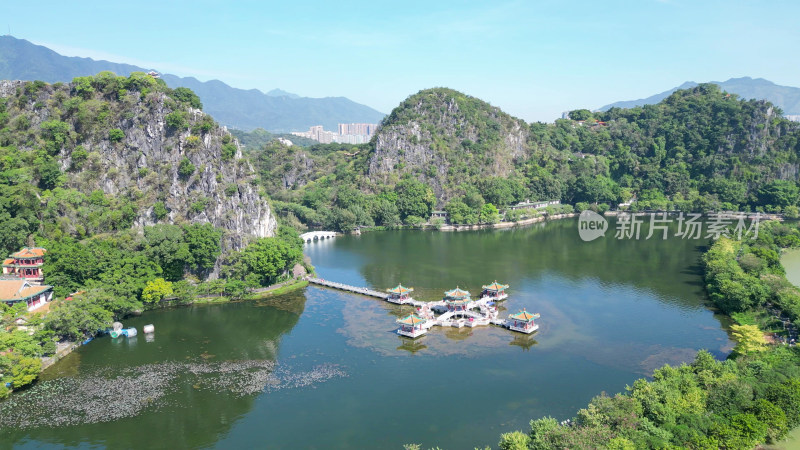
533 59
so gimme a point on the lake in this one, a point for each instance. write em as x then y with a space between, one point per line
319 368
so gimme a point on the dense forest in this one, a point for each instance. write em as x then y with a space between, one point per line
123 238
700 149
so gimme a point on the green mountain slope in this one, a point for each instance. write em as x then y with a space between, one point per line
447 139
106 153
785 97
699 149
276 110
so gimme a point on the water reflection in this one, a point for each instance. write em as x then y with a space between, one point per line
412 345
221 361
641 300
524 341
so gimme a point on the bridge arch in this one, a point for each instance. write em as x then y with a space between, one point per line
312 236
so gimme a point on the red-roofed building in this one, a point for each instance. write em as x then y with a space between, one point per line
16 290
26 263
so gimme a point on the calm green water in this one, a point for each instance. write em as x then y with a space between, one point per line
611 312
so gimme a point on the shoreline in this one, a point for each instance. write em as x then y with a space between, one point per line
544 217
67 347
502 225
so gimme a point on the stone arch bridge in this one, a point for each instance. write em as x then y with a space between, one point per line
312 236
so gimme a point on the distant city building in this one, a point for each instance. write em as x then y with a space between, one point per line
349 133
365 129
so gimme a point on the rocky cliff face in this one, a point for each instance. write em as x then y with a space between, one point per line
446 138
145 146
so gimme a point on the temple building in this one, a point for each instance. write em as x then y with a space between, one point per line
523 322
399 294
495 291
27 264
14 290
457 300
411 326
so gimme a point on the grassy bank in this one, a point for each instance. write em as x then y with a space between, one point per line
279 289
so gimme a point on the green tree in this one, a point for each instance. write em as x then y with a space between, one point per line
160 210
116 135
185 168
267 258
186 95
748 338
414 199
25 370
779 193
489 214
515 440
76 318
177 120
156 290
204 245
580 114
459 212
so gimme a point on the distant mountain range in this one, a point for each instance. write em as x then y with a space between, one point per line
276 111
785 97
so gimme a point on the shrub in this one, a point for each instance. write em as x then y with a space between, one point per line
115 135
228 151
185 168
79 155
186 95
160 210
176 120
199 205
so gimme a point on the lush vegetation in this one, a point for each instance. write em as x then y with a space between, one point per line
50 196
699 150
110 276
753 397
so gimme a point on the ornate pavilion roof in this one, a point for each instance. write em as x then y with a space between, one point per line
411 319
400 289
495 286
524 316
457 293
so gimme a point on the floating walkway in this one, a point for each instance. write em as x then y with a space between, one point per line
456 309
346 287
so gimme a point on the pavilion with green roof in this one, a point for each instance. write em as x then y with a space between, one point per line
457 299
523 321
399 294
494 291
411 326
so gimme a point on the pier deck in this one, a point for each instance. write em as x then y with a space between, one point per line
346 287
468 318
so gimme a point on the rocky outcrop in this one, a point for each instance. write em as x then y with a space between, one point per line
144 163
444 138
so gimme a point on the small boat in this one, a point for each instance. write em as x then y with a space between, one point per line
88 340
